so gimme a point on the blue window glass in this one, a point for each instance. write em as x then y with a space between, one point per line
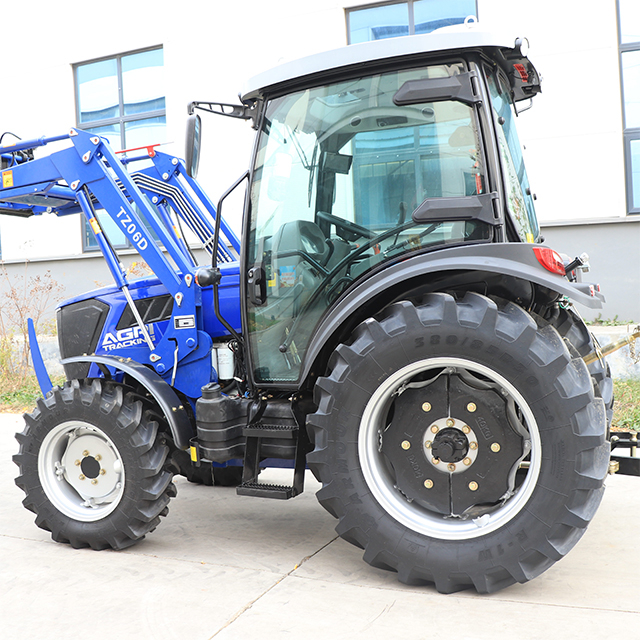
378 23
406 18
629 29
122 99
634 170
98 90
143 82
631 88
430 15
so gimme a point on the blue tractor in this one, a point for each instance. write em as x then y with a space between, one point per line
390 320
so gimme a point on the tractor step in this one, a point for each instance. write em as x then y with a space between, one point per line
273 430
259 490
270 431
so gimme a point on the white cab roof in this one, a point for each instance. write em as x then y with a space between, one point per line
446 39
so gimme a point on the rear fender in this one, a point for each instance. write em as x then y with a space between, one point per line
508 259
166 398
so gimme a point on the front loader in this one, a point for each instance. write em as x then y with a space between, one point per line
391 320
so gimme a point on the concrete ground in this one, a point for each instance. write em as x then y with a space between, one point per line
227 567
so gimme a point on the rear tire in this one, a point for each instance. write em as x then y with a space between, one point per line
476 373
573 329
93 466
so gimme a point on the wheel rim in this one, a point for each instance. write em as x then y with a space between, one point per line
81 471
381 478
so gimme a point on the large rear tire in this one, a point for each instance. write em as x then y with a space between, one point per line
573 329
93 466
459 443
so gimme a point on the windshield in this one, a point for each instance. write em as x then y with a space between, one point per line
339 171
519 198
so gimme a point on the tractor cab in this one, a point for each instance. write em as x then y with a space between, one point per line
368 155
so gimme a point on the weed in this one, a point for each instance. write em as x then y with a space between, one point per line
626 408
22 297
608 322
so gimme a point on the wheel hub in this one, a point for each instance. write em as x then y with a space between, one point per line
81 471
451 445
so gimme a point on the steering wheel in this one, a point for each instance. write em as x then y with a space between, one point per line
345 229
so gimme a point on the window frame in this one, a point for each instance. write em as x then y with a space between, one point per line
630 134
373 5
119 121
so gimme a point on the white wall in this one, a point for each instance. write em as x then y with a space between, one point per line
573 134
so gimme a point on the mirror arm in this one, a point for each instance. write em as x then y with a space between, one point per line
242 111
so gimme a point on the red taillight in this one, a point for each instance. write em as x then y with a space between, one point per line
550 260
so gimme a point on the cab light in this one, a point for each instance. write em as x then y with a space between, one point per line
550 260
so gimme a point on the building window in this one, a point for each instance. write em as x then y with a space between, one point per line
391 19
629 32
122 99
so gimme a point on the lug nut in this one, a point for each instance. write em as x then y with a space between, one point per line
450 422
85 453
81 476
451 467
428 444
77 463
473 486
434 428
435 460
102 472
471 407
94 481
495 447
406 445
426 406
98 457
467 462
473 445
466 429
428 484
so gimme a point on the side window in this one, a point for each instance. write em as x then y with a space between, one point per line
518 192
348 176
121 98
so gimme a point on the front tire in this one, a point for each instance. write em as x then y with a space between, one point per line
92 465
459 443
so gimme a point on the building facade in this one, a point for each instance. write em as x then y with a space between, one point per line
129 73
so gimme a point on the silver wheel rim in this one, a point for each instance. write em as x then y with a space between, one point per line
81 471
381 481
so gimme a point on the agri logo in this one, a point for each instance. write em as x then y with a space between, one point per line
131 337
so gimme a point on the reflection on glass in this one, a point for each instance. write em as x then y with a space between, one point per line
429 15
519 199
629 21
631 88
635 173
378 23
143 82
339 172
98 90
110 228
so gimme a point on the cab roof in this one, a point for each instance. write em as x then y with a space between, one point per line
524 79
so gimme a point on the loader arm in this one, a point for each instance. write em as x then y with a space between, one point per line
88 176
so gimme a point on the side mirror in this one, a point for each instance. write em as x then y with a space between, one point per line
192 150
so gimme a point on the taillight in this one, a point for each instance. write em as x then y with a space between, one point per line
550 260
